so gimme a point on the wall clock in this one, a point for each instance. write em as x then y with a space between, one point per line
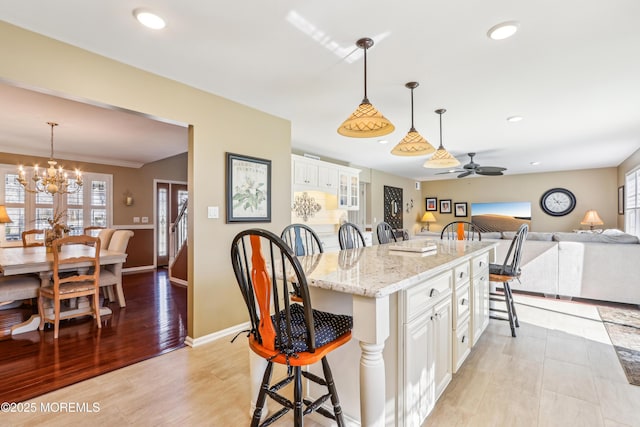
558 202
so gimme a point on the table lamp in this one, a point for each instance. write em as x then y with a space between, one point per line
591 218
427 218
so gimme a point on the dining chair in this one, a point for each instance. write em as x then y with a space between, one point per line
349 236
505 273
105 237
14 289
461 230
111 275
284 332
92 230
302 239
385 233
68 285
30 238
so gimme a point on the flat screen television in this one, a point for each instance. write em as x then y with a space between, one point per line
500 216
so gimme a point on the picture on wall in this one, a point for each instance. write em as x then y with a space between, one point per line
432 204
393 206
502 216
445 206
461 209
248 189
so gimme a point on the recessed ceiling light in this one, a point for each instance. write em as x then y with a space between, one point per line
513 119
503 30
383 141
534 163
149 19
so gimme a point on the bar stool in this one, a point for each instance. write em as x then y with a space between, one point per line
295 335
349 236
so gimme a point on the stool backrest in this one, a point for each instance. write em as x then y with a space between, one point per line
511 265
302 239
461 230
349 236
385 233
265 266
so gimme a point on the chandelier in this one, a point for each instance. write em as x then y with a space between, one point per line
52 180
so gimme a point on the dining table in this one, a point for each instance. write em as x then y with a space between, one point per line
38 260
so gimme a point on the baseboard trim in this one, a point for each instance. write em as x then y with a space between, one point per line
195 342
138 269
179 282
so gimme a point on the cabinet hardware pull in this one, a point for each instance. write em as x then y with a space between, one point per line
463 302
464 337
461 274
434 292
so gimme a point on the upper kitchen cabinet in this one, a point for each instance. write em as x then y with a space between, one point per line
316 175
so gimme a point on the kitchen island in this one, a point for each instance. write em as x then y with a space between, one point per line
415 317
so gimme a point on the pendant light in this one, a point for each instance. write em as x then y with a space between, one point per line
366 121
413 144
441 158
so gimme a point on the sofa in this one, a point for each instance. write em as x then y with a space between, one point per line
599 266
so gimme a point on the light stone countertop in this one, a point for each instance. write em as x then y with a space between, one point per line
376 271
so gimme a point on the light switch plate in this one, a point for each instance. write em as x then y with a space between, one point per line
213 212
136 220
145 219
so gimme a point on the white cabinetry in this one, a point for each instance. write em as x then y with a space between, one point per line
461 314
479 295
315 175
348 190
426 356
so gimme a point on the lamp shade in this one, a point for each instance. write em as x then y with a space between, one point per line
366 122
591 218
4 216
441 159
428 217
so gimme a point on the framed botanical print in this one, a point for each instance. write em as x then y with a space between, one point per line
248 189
460 209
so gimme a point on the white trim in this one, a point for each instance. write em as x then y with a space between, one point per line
134 227
179 282
196 342
138 269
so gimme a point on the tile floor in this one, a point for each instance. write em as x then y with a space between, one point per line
561 370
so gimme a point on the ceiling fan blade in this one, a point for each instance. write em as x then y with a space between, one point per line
487 173
463 174
447 172
490 169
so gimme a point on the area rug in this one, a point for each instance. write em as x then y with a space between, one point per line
623 326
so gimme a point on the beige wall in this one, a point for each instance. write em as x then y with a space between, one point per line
411 220
219 125
593 188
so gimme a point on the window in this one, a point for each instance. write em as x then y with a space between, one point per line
632 203
89 206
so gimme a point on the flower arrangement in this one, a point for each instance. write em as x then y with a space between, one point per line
58 228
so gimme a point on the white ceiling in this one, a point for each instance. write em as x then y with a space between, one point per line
572 71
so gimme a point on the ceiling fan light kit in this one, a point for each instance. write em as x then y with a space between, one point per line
366 121
413 144
441 158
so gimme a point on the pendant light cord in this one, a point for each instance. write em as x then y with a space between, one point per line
412 128
365 100
440 131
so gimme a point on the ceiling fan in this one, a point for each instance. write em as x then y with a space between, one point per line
474 168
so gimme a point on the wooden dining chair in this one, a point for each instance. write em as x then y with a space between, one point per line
349 236
461 230
284 332
385 233
67 285
30 238
505 273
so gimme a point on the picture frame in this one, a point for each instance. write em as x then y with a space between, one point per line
248 189
431 204
621 200
460 209
445 206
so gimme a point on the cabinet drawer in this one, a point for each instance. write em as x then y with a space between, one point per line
462 346
461 273
462 304
480 263
420 297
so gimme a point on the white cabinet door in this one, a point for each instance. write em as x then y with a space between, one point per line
480 303
348 190
305 173
418 385
328 179
442 346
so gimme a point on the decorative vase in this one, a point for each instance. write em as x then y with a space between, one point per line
50 235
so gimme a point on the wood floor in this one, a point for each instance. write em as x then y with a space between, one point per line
152 323
560 371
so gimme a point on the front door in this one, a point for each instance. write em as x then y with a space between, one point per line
169 200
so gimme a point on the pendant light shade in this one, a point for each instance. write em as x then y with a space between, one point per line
366 121
441 158
413 144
